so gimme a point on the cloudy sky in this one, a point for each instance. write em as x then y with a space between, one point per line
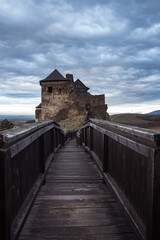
113 46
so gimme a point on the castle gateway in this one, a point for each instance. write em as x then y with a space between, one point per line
62 98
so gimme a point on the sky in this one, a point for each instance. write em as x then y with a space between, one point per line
112 46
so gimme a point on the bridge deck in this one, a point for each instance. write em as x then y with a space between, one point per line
75 204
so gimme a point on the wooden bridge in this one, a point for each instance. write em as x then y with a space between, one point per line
103 185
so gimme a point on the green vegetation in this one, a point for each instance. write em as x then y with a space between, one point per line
5 124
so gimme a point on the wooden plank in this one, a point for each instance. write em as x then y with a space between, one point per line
121 236
77 230
75 203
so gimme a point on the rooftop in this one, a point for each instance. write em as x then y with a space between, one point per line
54 76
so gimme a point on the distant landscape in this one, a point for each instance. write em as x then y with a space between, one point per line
18 119
149 121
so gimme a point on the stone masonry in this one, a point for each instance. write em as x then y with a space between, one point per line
62 98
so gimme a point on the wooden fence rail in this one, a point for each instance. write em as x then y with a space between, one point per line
70 134
129 159
25 155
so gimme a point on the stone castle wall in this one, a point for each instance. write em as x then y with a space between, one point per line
59 101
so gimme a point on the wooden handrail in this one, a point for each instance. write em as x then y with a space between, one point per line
25 155
129 159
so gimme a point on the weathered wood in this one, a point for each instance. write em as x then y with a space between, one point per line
137 132
17 147
42 154
5 193
140 148
153 196
156 196
105 153
81 208
132 170
21 217
15 134
24 157
85 137
91 138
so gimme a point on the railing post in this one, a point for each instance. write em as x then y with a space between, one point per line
62 137
5 194
153 220
85 137
82 135
91 138
55 137
42 154
105 153
52 140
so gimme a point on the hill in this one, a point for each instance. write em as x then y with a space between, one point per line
157 112
140 120
72 123
18 119
76 122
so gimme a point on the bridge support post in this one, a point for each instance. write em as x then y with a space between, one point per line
52 137
85 137
153 219
105 153
82 135
91 138
55 138
42 154
5 194
62 139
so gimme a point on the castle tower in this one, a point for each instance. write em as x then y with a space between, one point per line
62 98
56 92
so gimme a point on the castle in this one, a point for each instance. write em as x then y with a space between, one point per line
63 98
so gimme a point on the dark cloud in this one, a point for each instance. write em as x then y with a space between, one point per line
113 46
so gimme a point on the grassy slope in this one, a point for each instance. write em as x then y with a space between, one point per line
140 120
75 122
72 123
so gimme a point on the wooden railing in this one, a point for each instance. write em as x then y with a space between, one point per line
25 155
129 159
70 134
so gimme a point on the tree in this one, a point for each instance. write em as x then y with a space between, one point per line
5 124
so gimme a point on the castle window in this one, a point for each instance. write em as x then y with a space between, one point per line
88 107
49 89
60 91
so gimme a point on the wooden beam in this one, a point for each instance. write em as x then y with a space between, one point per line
145 134
19 146
15 134
138 147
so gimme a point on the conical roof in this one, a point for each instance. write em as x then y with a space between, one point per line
54 76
